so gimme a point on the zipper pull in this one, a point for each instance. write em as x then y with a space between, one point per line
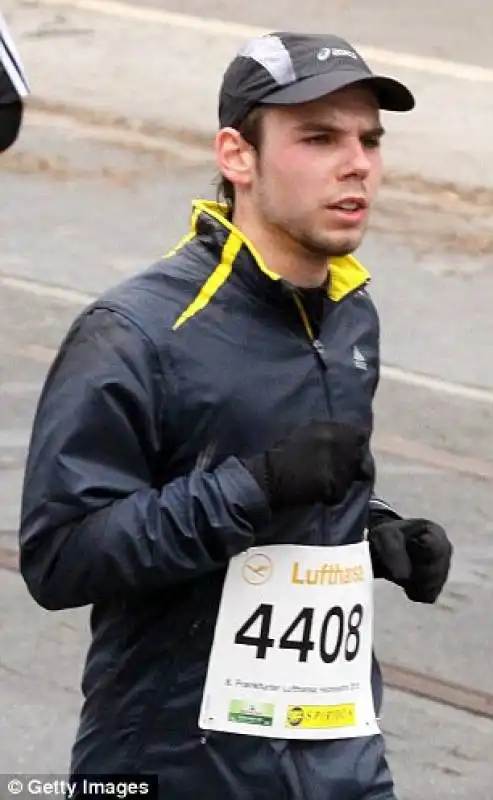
320 352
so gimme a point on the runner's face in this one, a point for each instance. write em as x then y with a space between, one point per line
318 170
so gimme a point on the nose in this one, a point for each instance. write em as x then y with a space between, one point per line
356 161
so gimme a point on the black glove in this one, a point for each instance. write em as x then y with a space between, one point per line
316 464
412 553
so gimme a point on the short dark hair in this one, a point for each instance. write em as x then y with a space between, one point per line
251 131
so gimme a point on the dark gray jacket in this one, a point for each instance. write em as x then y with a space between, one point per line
135 499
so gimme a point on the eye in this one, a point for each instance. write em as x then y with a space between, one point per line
371 142
319 138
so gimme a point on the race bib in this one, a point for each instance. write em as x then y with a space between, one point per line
292 650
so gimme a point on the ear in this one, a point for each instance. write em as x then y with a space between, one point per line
235 158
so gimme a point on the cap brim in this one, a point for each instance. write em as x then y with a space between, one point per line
391 94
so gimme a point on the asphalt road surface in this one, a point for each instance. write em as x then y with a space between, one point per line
91 204
165 67
450 29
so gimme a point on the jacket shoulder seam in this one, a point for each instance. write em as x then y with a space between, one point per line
115 308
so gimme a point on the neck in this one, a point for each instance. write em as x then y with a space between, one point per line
282 255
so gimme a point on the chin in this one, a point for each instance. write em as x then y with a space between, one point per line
342 249
339 245
344 242
330 243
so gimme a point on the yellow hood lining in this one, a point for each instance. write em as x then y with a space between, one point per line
346 273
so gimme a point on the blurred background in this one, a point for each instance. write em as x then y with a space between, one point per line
117 142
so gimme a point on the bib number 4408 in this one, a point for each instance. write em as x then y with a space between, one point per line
339 633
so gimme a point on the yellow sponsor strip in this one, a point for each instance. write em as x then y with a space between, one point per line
305 717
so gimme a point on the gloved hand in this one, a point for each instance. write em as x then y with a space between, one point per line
316 464
412 553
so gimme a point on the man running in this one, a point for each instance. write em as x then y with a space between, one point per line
200 471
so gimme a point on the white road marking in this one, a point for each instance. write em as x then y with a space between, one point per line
13 438
18 388
72 296
216 27
437 385
390 373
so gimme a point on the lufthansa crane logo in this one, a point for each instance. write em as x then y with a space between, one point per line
257 569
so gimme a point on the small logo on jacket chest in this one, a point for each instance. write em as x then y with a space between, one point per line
359 359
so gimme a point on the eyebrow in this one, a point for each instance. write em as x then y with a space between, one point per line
320 127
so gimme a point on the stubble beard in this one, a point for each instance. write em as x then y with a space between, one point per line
309 242
325 245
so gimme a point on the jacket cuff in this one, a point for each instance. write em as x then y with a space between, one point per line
381 511
243 491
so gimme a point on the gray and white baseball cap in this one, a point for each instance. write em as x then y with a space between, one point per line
292 68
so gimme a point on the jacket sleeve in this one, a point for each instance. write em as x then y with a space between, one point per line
380 511
94 526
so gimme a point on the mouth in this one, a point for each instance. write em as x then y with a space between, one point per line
350 209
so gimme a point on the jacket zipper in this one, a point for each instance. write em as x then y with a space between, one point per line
317 347
316 344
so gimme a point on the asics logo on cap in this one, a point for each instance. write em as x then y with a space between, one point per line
327 52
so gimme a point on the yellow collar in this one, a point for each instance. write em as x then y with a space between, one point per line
346 272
